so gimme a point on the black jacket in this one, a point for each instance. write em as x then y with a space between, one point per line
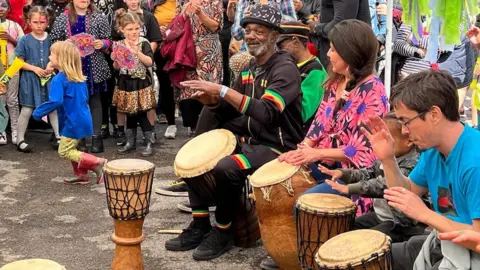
333 12
271 112
310 7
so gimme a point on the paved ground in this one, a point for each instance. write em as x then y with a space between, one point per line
40 217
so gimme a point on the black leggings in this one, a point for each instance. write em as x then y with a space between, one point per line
109 112
96 111
166 100
190 109
141 118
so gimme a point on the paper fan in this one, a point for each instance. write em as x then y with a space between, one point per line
84 43
123 56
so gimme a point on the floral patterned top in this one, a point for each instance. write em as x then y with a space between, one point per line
342 129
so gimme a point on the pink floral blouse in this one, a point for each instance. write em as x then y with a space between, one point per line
342 130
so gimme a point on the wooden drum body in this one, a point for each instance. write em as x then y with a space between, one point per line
276 187
194 163
128 183
356 250
33 264
319 218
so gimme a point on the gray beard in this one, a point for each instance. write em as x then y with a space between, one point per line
261 50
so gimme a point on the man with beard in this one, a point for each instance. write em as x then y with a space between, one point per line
263 110
426 104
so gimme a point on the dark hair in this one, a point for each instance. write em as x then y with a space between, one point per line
72 14
355 42
392 118
28 12
423 90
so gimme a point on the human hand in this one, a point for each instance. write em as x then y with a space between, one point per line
98 44
382 9
204 98
298 4
337 186
304 155
40 72
5 36
335 174
312 24
234 47
163 30
421 52
465 238
210 88
407 202
232 4
380 137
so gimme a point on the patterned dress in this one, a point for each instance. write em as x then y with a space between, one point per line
341 129
207 45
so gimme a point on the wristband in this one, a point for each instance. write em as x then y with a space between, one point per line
224 91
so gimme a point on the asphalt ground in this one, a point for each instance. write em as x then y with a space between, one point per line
40 217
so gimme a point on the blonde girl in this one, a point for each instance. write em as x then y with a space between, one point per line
69 94
134 95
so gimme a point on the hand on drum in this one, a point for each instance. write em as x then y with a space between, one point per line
335 174
407 202
466 238
380 137
303 155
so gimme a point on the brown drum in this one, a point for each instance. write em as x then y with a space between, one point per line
356 250
276 186
193 164
128 183
319 218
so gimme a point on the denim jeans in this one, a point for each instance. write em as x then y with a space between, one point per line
320 177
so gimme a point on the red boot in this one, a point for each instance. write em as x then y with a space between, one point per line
93 163
81 176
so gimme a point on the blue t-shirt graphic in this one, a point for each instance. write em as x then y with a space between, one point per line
454 182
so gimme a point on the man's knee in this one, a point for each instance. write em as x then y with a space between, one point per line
227 169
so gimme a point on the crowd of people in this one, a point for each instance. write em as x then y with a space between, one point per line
299 81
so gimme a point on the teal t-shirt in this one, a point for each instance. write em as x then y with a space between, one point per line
454 182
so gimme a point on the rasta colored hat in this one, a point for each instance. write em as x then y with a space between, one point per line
265 15
293 29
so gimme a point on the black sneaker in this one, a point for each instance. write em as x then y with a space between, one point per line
176 188
121 138
185 207
189 239
214 245
105 132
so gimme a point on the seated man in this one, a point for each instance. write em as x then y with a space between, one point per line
263 110
294 40
426 104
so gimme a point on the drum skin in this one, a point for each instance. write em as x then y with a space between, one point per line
319 218
356 250
277 220
33 264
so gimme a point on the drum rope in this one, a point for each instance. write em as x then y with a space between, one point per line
266 193
306 174
288 186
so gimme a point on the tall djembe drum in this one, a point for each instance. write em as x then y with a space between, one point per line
128 183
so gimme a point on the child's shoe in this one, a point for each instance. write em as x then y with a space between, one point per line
81 176
93 163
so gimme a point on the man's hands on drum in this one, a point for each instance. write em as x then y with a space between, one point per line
335 174
407 202
303 155
380 138
206 92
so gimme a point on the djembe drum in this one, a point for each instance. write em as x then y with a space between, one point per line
33 264
129 185
320 217
193 164
276 186
356 250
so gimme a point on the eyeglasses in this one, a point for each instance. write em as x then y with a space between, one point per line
406 123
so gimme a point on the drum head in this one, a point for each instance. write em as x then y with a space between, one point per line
203 152
272 173
325 203
128 166
33 264
352 248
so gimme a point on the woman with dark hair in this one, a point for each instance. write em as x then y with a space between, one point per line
81 16
353 94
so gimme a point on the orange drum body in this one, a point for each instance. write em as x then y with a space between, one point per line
276 187
193 164
356 250
319 218
128 183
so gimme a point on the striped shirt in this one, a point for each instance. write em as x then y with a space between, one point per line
404 46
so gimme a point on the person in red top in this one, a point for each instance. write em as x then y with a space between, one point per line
16 11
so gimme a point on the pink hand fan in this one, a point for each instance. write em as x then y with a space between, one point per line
123 56
84 43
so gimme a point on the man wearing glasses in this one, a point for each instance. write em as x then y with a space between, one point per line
426 104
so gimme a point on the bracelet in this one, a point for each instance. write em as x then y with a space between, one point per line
224 91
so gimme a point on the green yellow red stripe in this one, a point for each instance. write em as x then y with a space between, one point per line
200 213
244 104
223 226
241 161
247 77
275 98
